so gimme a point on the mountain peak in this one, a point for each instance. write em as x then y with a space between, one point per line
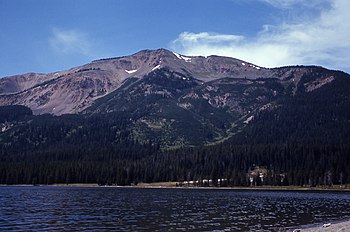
155 51
73 90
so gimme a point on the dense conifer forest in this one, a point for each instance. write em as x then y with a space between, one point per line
49 149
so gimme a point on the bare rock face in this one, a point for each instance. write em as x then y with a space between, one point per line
73 90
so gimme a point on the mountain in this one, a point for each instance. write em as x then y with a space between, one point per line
74 90
161 116
173 99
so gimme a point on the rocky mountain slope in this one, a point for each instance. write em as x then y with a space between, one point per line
173 99
74 90
148 118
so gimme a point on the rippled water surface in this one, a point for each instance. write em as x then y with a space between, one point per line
139 209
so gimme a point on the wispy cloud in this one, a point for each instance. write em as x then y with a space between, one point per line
69 42
291 3
323 40
206 37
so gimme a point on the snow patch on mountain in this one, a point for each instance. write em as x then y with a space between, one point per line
254 66
181 57
157 67
187 59
177 55
131 71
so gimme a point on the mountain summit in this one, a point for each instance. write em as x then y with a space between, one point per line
73 90
184 100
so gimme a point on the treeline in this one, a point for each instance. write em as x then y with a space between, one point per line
302 140
302 165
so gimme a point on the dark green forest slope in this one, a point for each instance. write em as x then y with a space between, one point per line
301 137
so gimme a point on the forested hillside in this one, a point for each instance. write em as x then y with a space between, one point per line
159 116
304 148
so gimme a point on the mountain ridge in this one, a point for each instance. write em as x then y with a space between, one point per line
185 118
166 95
75 89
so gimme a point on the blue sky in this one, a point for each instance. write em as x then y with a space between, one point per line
50 35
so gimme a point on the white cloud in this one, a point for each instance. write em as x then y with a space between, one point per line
291 3
206 37
70 42
323 40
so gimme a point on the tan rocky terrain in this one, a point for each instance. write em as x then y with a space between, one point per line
73 90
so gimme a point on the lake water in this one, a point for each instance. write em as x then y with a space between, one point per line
142 209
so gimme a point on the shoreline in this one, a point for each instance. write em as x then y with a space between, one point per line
172 185
328 226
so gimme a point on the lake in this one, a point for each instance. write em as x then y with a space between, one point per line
146 209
